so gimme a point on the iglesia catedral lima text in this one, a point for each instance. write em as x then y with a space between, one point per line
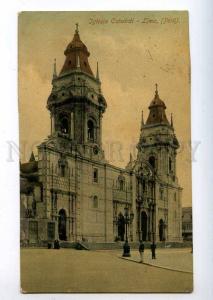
72 193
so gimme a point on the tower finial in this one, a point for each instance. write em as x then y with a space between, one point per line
54 69
156 89
171 120
97 73
32 157
76 29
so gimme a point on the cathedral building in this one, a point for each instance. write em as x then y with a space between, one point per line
72 193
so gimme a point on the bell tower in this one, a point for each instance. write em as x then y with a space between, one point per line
76 102
158 143
158 196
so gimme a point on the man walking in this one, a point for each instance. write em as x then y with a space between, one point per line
141 250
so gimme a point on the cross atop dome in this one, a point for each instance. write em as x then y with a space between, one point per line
156 89
76 29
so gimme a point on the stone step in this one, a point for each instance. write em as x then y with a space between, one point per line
119 245
108 246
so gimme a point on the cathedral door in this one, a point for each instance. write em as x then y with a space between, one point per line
161 230
121 227
62 225
144 225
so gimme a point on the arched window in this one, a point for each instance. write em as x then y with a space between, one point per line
121 185
161 193
144 185
152 161
91 131
63 170
121 182
95 175
64 125
62 163
95 202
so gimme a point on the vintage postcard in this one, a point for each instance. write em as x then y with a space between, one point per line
105 171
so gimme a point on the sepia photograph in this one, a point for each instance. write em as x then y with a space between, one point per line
105 152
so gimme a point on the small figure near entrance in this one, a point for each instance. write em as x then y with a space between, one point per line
153 247
56 244
141 250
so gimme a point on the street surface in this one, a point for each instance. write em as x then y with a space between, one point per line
70 270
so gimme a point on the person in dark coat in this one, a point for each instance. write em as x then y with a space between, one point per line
153 247
56 244
141 251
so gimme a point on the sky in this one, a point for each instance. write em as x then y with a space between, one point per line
134 50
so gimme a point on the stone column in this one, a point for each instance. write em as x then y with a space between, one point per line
133 185
100 130
51 124
85 127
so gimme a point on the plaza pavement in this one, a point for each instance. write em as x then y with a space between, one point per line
173 259
70 270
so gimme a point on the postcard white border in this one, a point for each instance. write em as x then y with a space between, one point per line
201 48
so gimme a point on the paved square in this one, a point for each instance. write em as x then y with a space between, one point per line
174 259
69 270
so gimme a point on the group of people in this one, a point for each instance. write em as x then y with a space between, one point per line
56 245
141 251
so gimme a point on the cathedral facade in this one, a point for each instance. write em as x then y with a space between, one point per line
71 193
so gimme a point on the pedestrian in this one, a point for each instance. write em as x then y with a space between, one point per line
141 251
153 247
56 244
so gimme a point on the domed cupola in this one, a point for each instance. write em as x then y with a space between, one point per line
157 114
76 56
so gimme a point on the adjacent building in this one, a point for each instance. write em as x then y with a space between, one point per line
187 223
71 192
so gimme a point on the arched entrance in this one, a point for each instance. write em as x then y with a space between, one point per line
64 125
144 225
152 161
62 225
91 131
121 227
161 230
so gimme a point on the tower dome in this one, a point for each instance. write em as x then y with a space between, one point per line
157 114
76 56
